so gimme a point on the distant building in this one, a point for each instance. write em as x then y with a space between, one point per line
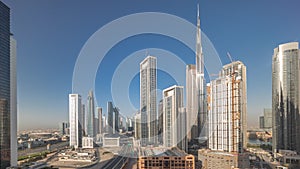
100 129
217 160
165 158
261 122
285 97
90 115
63 128
74 120
148 103
110 117
87 142
267 118
111 141
83 120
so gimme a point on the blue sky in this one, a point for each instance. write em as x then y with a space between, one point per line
51 33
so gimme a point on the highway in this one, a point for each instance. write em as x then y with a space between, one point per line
120 161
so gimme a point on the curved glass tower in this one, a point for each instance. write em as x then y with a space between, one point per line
285 97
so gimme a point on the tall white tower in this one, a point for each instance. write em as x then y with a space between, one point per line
148 74
74 119
200 82
174 123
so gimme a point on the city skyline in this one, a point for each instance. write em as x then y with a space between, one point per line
32 104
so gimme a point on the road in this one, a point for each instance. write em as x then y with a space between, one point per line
41 149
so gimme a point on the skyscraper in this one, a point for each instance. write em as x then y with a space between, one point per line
74 119
90 115
5 91
200 82
148 84
100 120
172 109
191 102
160 121
137 125
285 97
83 120
116 120
268 118
228 109
13 102
110 117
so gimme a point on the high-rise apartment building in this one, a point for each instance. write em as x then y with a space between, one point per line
5 88
74 120
148 84
285 97
173 117
90 115
191 102
228 109
137 125
160 121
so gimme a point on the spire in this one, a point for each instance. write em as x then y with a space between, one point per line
198 11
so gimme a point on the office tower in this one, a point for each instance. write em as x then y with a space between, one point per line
148 100
285 97
116 120
63 128
228 106
5 119
261 122
90 115
200 83
267 118
100 129
160 121
191 102
75 109
181 130
83 120
13 102
110 117
172 104
104 124
96 126
137 126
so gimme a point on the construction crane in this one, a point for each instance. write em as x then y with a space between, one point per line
229 56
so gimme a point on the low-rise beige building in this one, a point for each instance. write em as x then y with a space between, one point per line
218 159
157 158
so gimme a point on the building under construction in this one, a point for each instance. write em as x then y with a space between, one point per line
227 109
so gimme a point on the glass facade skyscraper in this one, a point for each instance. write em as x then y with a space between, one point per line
90 115
5 149
148 103
285 97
